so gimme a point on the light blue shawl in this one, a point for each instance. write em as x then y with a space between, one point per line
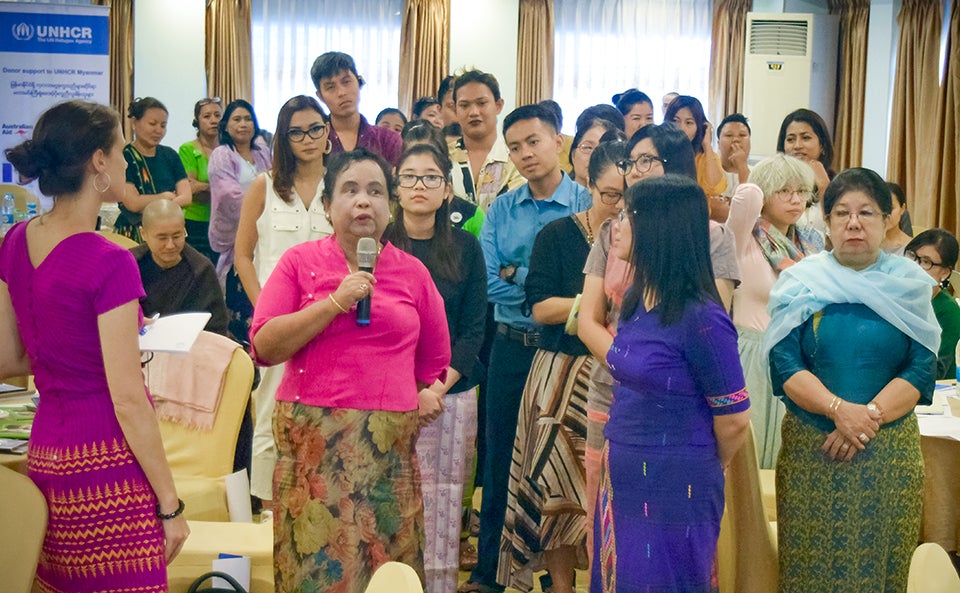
895 288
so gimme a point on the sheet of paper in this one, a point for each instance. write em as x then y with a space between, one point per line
236 566
238 497
173 333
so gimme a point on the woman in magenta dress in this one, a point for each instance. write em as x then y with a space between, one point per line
679 410
69 313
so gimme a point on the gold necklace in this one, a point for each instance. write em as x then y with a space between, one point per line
589 228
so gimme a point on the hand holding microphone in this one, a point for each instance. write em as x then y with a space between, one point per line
366 260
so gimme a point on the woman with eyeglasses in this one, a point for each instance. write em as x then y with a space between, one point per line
448 409
545 524
763 219
195 156
281 209
586 139
936 252
241 156
154 171
680 408
852 344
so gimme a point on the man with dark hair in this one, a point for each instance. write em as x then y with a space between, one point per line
512 223
481 167
554 108
733 138
448 107
335 77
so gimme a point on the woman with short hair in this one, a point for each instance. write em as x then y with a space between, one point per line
195 156
687 114
935 250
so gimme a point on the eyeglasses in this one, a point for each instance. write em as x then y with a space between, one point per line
297 135
643 164
429 181
786 195
611 197
925 262
586 149
622 215
208 101
865 216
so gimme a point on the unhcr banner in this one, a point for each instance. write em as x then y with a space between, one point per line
49 53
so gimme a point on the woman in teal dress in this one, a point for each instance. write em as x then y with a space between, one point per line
852 343
936 252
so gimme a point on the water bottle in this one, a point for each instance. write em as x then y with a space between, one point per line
7 212
32 209
957 358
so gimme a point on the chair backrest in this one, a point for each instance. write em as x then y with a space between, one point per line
121 240
395 577
209 453
23 523
747 550
931 571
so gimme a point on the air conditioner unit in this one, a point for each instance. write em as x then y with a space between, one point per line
790 61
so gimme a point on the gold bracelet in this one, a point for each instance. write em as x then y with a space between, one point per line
334 301
834 406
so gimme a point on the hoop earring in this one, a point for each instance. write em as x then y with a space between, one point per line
329 147
96 180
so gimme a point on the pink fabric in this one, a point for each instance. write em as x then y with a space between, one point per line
346 366
102 531
756 276
187 389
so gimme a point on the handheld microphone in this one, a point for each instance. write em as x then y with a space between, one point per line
366 259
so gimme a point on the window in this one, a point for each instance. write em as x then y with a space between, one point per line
607 46
287 35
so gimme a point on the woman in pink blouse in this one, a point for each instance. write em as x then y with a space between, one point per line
763 219
346 487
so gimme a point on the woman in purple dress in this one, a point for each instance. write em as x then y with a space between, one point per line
679 410
69 313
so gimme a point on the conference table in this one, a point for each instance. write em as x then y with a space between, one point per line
940 443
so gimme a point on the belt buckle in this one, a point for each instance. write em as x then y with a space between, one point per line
531 339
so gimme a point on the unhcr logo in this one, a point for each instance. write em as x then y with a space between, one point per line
23 31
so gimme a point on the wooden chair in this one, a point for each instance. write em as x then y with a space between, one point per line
23 523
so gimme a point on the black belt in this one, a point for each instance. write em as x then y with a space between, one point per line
528 338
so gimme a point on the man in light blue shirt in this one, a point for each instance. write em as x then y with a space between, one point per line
513 221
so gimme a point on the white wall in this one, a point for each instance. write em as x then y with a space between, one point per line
168 60
483 35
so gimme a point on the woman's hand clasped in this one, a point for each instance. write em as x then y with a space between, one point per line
856 426
353 288
430 405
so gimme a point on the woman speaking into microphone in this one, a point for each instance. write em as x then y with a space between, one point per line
346 487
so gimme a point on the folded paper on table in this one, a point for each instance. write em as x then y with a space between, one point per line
236 566
173 333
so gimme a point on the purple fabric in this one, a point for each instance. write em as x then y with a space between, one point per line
103 534
226 197
661 487
382 141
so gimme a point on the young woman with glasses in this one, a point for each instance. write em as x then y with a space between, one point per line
448 409
936 252
195 156
763 219
281 209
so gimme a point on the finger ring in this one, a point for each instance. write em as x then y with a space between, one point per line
363 287
845 446
863 437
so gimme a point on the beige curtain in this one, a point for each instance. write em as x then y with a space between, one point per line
121 57
944 177
424 49
848 131
535 52
914 101
229 58
726 57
